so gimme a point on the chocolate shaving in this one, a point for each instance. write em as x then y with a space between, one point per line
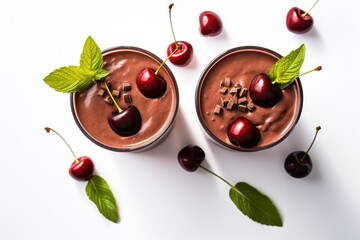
223 102
251 106
101 92
127 98
227 82
230 104
242 100
234 90
115 93
102 84
223 90
126 86
108 100
218 109
242 107
243 92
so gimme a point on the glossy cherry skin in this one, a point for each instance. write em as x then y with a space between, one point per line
82 169
210 23
297 23
262 92
183 54
190 157
243 133
297 165
150 84
126 123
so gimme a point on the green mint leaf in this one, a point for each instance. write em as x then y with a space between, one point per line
255 205
99 192
69 79
75 79
91 56
285 71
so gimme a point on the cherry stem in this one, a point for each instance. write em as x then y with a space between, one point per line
112 97
177 45
211 172
172 28
47 129
306 13
318 68
307 151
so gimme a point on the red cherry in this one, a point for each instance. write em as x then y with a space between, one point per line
150 84
243 133
190 157
127 122
82 168
299 21
210 23
262 92
298 164
181 56
179 53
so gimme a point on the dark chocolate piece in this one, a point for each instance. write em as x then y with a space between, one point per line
242 100
230 104
126 86
101 92
108 100
243 92
223 102
127 98
115 93
217 109
223 90
242 107
251 106
227 82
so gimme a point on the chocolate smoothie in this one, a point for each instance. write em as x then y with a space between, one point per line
91 107
236 68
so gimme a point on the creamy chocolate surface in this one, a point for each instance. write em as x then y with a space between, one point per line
241 65
91 111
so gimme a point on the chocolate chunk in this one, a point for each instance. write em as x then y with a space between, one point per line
223 90
126 86
108 100
227 82
235 98
217 109
243 92
223 102
101 92
115 93
230 104
234 90
222 84
102 84
242 107
251 106
242 100
127 98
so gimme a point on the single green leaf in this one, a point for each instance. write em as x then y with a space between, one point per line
285 71
69 79
91 56
99 192
255 205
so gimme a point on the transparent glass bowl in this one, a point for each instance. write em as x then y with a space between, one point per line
158 115
240 65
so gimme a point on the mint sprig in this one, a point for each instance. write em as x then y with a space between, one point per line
99 192
285 71
78 78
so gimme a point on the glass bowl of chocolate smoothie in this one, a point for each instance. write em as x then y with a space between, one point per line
218 104
92 107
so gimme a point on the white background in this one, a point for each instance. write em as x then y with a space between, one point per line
157 199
